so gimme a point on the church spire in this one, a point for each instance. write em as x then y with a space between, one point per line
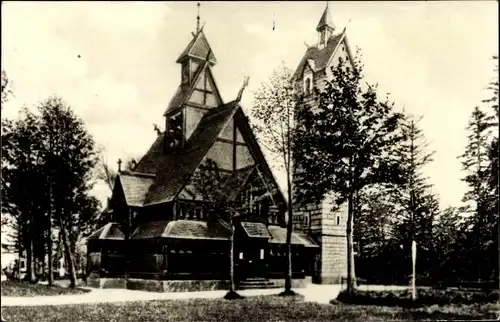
325 27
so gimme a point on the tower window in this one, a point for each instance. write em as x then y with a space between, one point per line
338 220
175 130
185 73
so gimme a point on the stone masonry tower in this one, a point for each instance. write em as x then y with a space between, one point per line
325 222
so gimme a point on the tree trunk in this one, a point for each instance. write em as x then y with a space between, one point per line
232 284
30 260
31 263
289 227
50 244
414 270
69 256
50 259
19 258
351 275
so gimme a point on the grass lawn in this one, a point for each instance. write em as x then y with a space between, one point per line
263 308
16 288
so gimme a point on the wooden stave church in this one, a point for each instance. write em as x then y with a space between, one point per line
159 231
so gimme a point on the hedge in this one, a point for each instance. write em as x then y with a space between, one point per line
425 297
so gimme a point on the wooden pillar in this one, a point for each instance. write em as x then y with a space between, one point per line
165 261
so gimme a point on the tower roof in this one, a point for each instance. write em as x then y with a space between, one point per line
198 48
326 20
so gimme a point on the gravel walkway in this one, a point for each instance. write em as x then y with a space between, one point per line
311 293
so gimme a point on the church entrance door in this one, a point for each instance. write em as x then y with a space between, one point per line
252 260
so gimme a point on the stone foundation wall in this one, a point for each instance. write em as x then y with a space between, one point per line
326 223
296 283
333 259
179 285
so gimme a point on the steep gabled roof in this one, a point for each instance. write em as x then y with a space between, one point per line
199 48
110 231
159 177
247 133
173 170
135 187
184 91
320 57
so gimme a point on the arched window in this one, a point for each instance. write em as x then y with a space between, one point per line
307 86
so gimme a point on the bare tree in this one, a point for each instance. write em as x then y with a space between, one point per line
274 106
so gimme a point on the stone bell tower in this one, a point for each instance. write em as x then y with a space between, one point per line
322 219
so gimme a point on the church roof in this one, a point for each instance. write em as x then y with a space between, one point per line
135 187
255 229
278 236
325 20
320 57
190 229
110 231
173 170
199 48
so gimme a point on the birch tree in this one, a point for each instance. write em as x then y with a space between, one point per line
273 110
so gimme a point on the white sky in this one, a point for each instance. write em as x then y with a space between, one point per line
433 57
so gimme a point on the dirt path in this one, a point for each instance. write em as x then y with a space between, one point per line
311 293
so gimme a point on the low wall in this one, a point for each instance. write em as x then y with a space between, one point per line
177 285
296 283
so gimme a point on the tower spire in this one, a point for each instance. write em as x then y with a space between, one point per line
198 19
325 27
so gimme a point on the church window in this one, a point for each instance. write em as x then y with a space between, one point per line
261 254
338 220
241 255
307 86
175 130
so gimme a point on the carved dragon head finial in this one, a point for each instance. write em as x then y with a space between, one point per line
245 84
157 129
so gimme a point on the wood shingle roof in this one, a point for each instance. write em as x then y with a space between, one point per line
173 170
320 57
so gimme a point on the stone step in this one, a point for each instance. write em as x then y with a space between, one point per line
255 283
255 279
256 286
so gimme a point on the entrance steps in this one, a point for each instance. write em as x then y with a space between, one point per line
256 283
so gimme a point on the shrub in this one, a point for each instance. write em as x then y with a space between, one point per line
425 297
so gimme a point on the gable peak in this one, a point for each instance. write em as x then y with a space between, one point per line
198 49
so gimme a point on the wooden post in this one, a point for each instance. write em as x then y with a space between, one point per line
413 259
